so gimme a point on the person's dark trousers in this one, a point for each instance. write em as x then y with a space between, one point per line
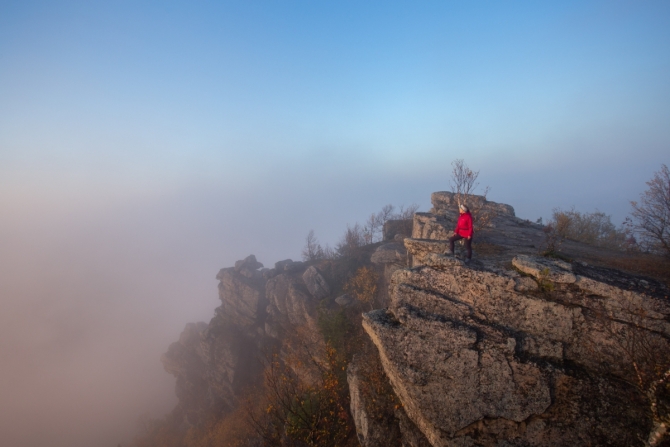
468 244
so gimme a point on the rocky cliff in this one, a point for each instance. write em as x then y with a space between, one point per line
215 363
512 349
517 349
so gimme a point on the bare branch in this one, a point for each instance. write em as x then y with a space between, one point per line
312 250
650 218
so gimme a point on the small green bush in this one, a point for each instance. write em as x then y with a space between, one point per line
544 282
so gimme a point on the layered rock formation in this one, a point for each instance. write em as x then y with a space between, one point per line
214 362
513 349
517 349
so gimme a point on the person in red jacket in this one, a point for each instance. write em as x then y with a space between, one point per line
463 230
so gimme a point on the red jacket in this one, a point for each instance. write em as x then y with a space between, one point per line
464 225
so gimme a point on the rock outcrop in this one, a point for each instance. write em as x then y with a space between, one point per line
445 202
519 349
214 362
209 360
390 253
290 302
511 349
396 228
315 283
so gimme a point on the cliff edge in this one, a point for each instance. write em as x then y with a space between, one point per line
511 349
521 350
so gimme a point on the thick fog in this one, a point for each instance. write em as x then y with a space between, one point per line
145 146
93 293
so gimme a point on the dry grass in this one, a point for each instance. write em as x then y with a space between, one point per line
652 266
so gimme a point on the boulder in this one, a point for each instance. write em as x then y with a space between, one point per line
315 283
545 269
294 266
396 227
280 266
431 226
249 263
420 249
445 201
392 252
288 265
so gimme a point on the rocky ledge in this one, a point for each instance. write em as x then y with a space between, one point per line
527 351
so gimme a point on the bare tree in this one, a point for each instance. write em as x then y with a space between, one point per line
406 216
645 357
371 229
312 250
369 233
374 227
406 213
351 239
386 213
463 184
650 218
463 180
329 252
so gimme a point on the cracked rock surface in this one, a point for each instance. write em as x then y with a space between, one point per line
463 347
517 349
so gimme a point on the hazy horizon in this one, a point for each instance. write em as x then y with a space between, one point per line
144 146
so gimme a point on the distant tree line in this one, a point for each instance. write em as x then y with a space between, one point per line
591 228
646 229
357 235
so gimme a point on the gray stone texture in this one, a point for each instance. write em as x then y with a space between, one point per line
389 253
514 348
316 284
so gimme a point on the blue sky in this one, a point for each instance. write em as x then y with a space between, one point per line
136 99
145 145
